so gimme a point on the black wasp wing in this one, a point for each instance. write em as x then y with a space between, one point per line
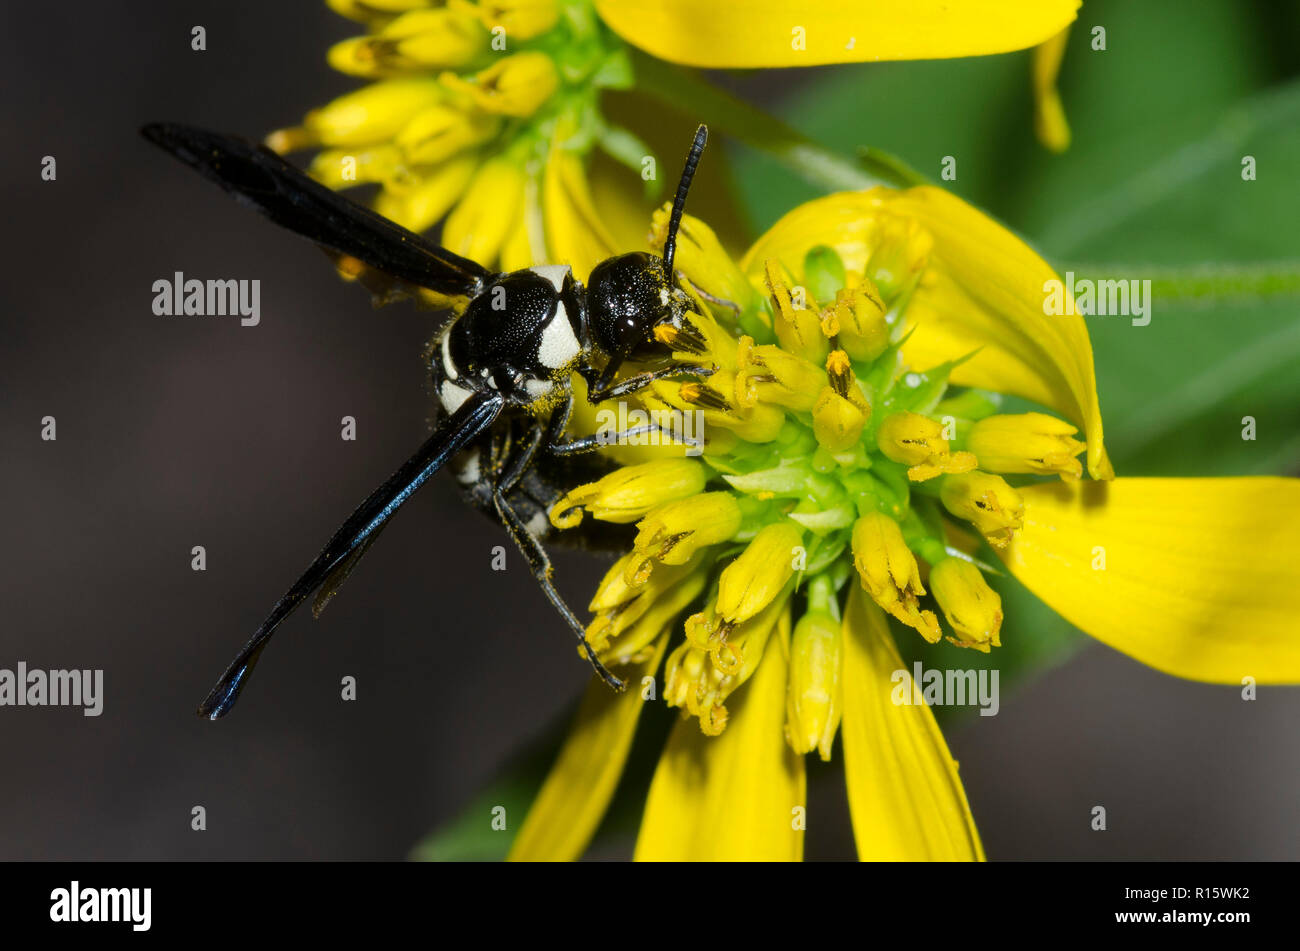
354 536
259 178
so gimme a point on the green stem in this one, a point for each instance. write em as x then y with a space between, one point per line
1203 283
687 92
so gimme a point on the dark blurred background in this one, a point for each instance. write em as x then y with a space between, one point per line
177 432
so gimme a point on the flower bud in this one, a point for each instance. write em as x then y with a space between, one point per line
987 502
798 327
671 534
813 700
1027 442
439 132
753 580
888 572
521 19
841 411
515 86
371 114
860 315
419 204
347 168
837 422
627 494
772 375
972 608
374 11
417 41
917 441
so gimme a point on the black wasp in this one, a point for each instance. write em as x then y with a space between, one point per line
500 367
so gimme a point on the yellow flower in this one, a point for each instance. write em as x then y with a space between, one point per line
766 615
519 83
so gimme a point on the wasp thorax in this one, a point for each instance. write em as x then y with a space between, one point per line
517 337
628 296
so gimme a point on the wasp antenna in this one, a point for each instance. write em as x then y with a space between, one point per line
679 203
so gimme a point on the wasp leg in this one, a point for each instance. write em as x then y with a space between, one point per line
539 563
574 447
601 389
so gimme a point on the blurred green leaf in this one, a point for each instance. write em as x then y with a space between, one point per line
469 837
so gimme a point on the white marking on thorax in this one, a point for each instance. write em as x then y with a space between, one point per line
536 389
453 396
467 468
558 346
555 273
448 366
538 525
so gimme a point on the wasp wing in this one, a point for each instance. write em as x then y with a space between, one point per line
259 178
355 535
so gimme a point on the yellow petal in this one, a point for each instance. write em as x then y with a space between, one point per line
1201 577
734 797
482 219
575 233
989 294
1049 115
577 791
905 797
419 206
619 195
743 34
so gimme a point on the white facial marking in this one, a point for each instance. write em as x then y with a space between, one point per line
448 366
536 389
453 396
555 273
558 346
